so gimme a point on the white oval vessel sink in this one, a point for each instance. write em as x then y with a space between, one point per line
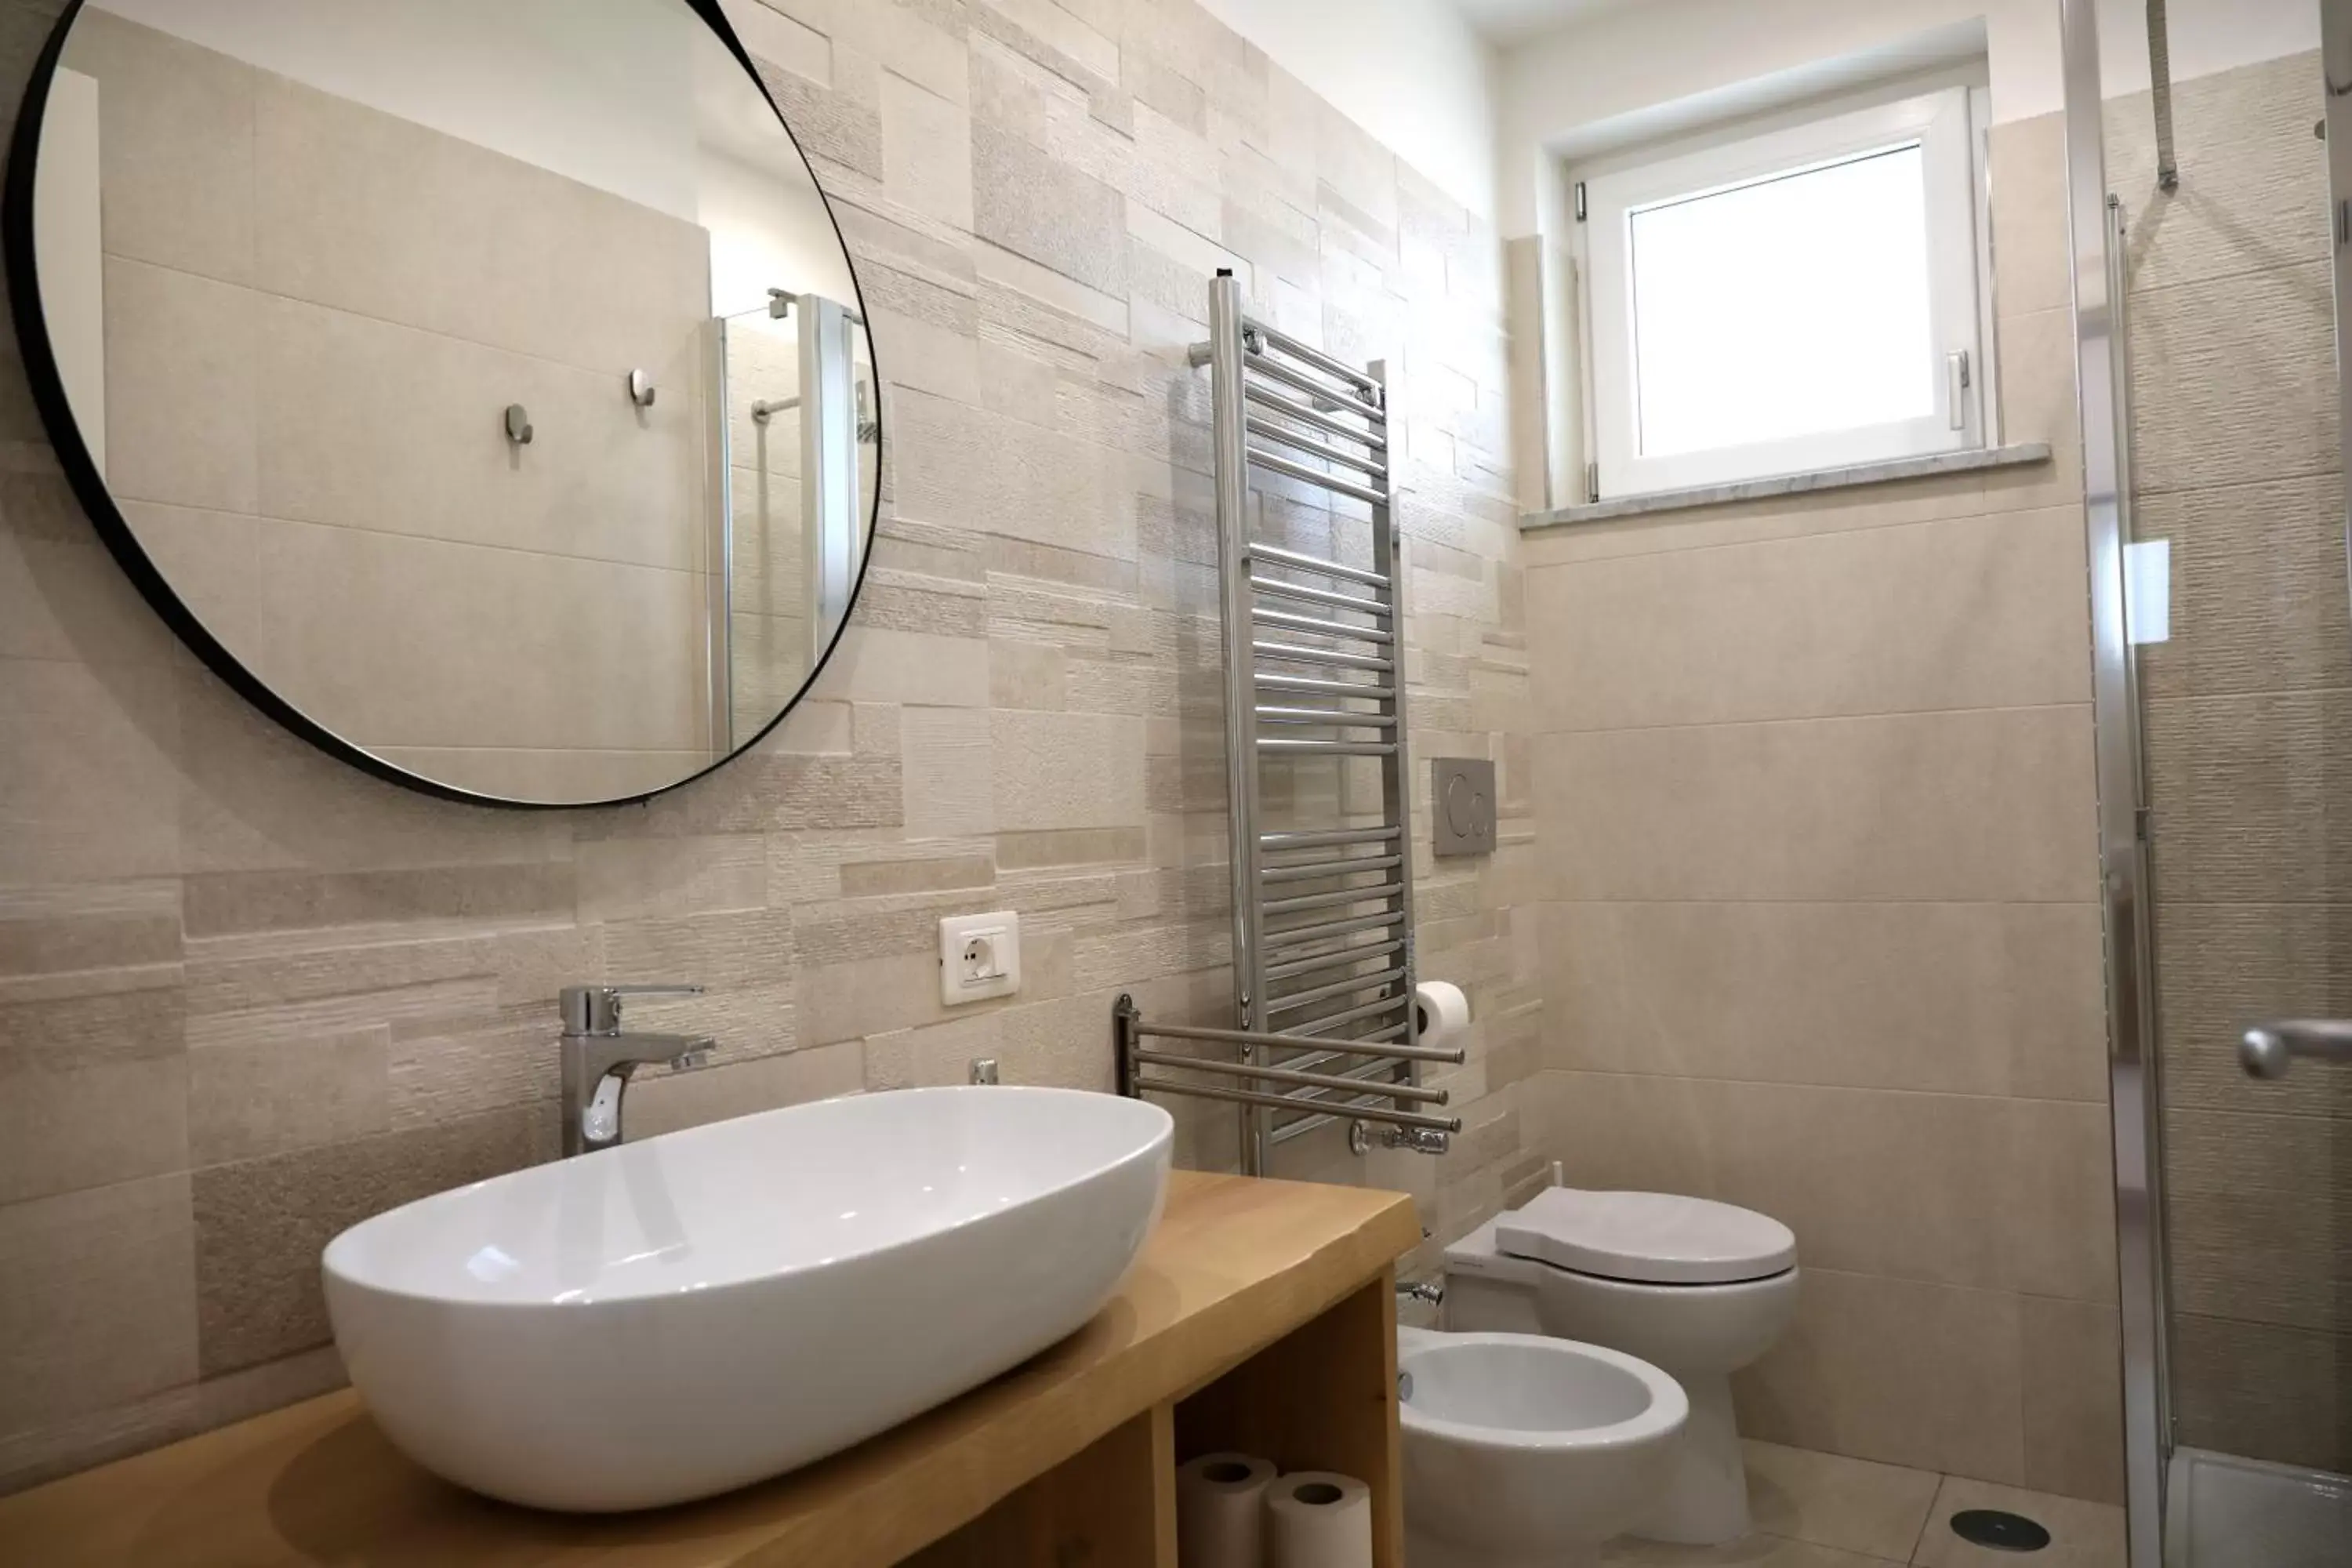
679 1316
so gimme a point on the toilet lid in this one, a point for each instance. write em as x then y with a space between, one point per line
1652 1238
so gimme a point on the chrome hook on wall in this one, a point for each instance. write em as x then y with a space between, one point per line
519 430
641 389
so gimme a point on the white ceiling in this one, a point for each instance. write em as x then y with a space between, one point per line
1517 21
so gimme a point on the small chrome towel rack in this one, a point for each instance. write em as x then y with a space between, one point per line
1322 912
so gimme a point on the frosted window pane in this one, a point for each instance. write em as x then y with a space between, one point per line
1788 307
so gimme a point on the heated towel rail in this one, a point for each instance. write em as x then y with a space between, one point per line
1314 643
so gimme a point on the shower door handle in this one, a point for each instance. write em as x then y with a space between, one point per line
2269 1048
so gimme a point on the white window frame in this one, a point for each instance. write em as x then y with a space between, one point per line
1941 122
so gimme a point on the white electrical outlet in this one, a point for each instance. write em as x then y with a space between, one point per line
979 957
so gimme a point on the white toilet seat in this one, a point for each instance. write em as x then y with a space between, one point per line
1647 1238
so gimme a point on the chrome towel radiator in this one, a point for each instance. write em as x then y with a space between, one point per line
1322 910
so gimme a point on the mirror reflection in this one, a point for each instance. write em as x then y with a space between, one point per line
485 377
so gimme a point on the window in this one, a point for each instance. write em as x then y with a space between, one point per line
1802 300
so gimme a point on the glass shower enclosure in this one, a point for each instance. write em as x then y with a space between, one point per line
2210 246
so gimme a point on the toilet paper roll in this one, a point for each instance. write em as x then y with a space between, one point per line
1315 1519
1221 1510
1440 1010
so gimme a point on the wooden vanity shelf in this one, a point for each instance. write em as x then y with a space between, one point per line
1261 1318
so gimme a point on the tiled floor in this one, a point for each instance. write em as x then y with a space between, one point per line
1819 1510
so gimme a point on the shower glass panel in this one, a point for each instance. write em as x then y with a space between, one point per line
802 455
2234 516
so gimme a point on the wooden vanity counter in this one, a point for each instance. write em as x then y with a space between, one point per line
1261 1317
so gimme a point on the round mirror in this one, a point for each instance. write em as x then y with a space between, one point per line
480 386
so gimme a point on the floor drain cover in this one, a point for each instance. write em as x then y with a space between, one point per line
2000 1532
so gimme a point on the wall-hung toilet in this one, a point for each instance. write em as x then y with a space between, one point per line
1699 1289
1527 1451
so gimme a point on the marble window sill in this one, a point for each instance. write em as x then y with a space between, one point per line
1969 461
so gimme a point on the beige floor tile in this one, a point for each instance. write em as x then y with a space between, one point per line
2082 1534
1829 1499
1759 1551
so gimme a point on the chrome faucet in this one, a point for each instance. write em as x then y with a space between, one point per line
599 1059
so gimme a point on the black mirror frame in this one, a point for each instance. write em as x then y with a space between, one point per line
97 502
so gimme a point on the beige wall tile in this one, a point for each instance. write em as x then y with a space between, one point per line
175 144
2004 1195
183 370
372 214
2032 255
1970 998
88 771
98 1304
1961 805
1850 1377
1978 613
2073 1358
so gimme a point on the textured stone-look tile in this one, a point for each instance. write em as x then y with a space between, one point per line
255 1098
620 877
947 773
2242 787
2199 417
98 1303
2082 1534
93 1090
926 152
1066 770
1046 212
2251 175
2263 1392
260 1225
1973 806
2258 1217
62 930
2301 638
1979 613
1831 1501
668 1101
224 903
1849 1377
2220 964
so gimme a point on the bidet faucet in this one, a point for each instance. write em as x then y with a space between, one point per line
598 1059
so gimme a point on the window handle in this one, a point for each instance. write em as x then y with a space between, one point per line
1956 381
